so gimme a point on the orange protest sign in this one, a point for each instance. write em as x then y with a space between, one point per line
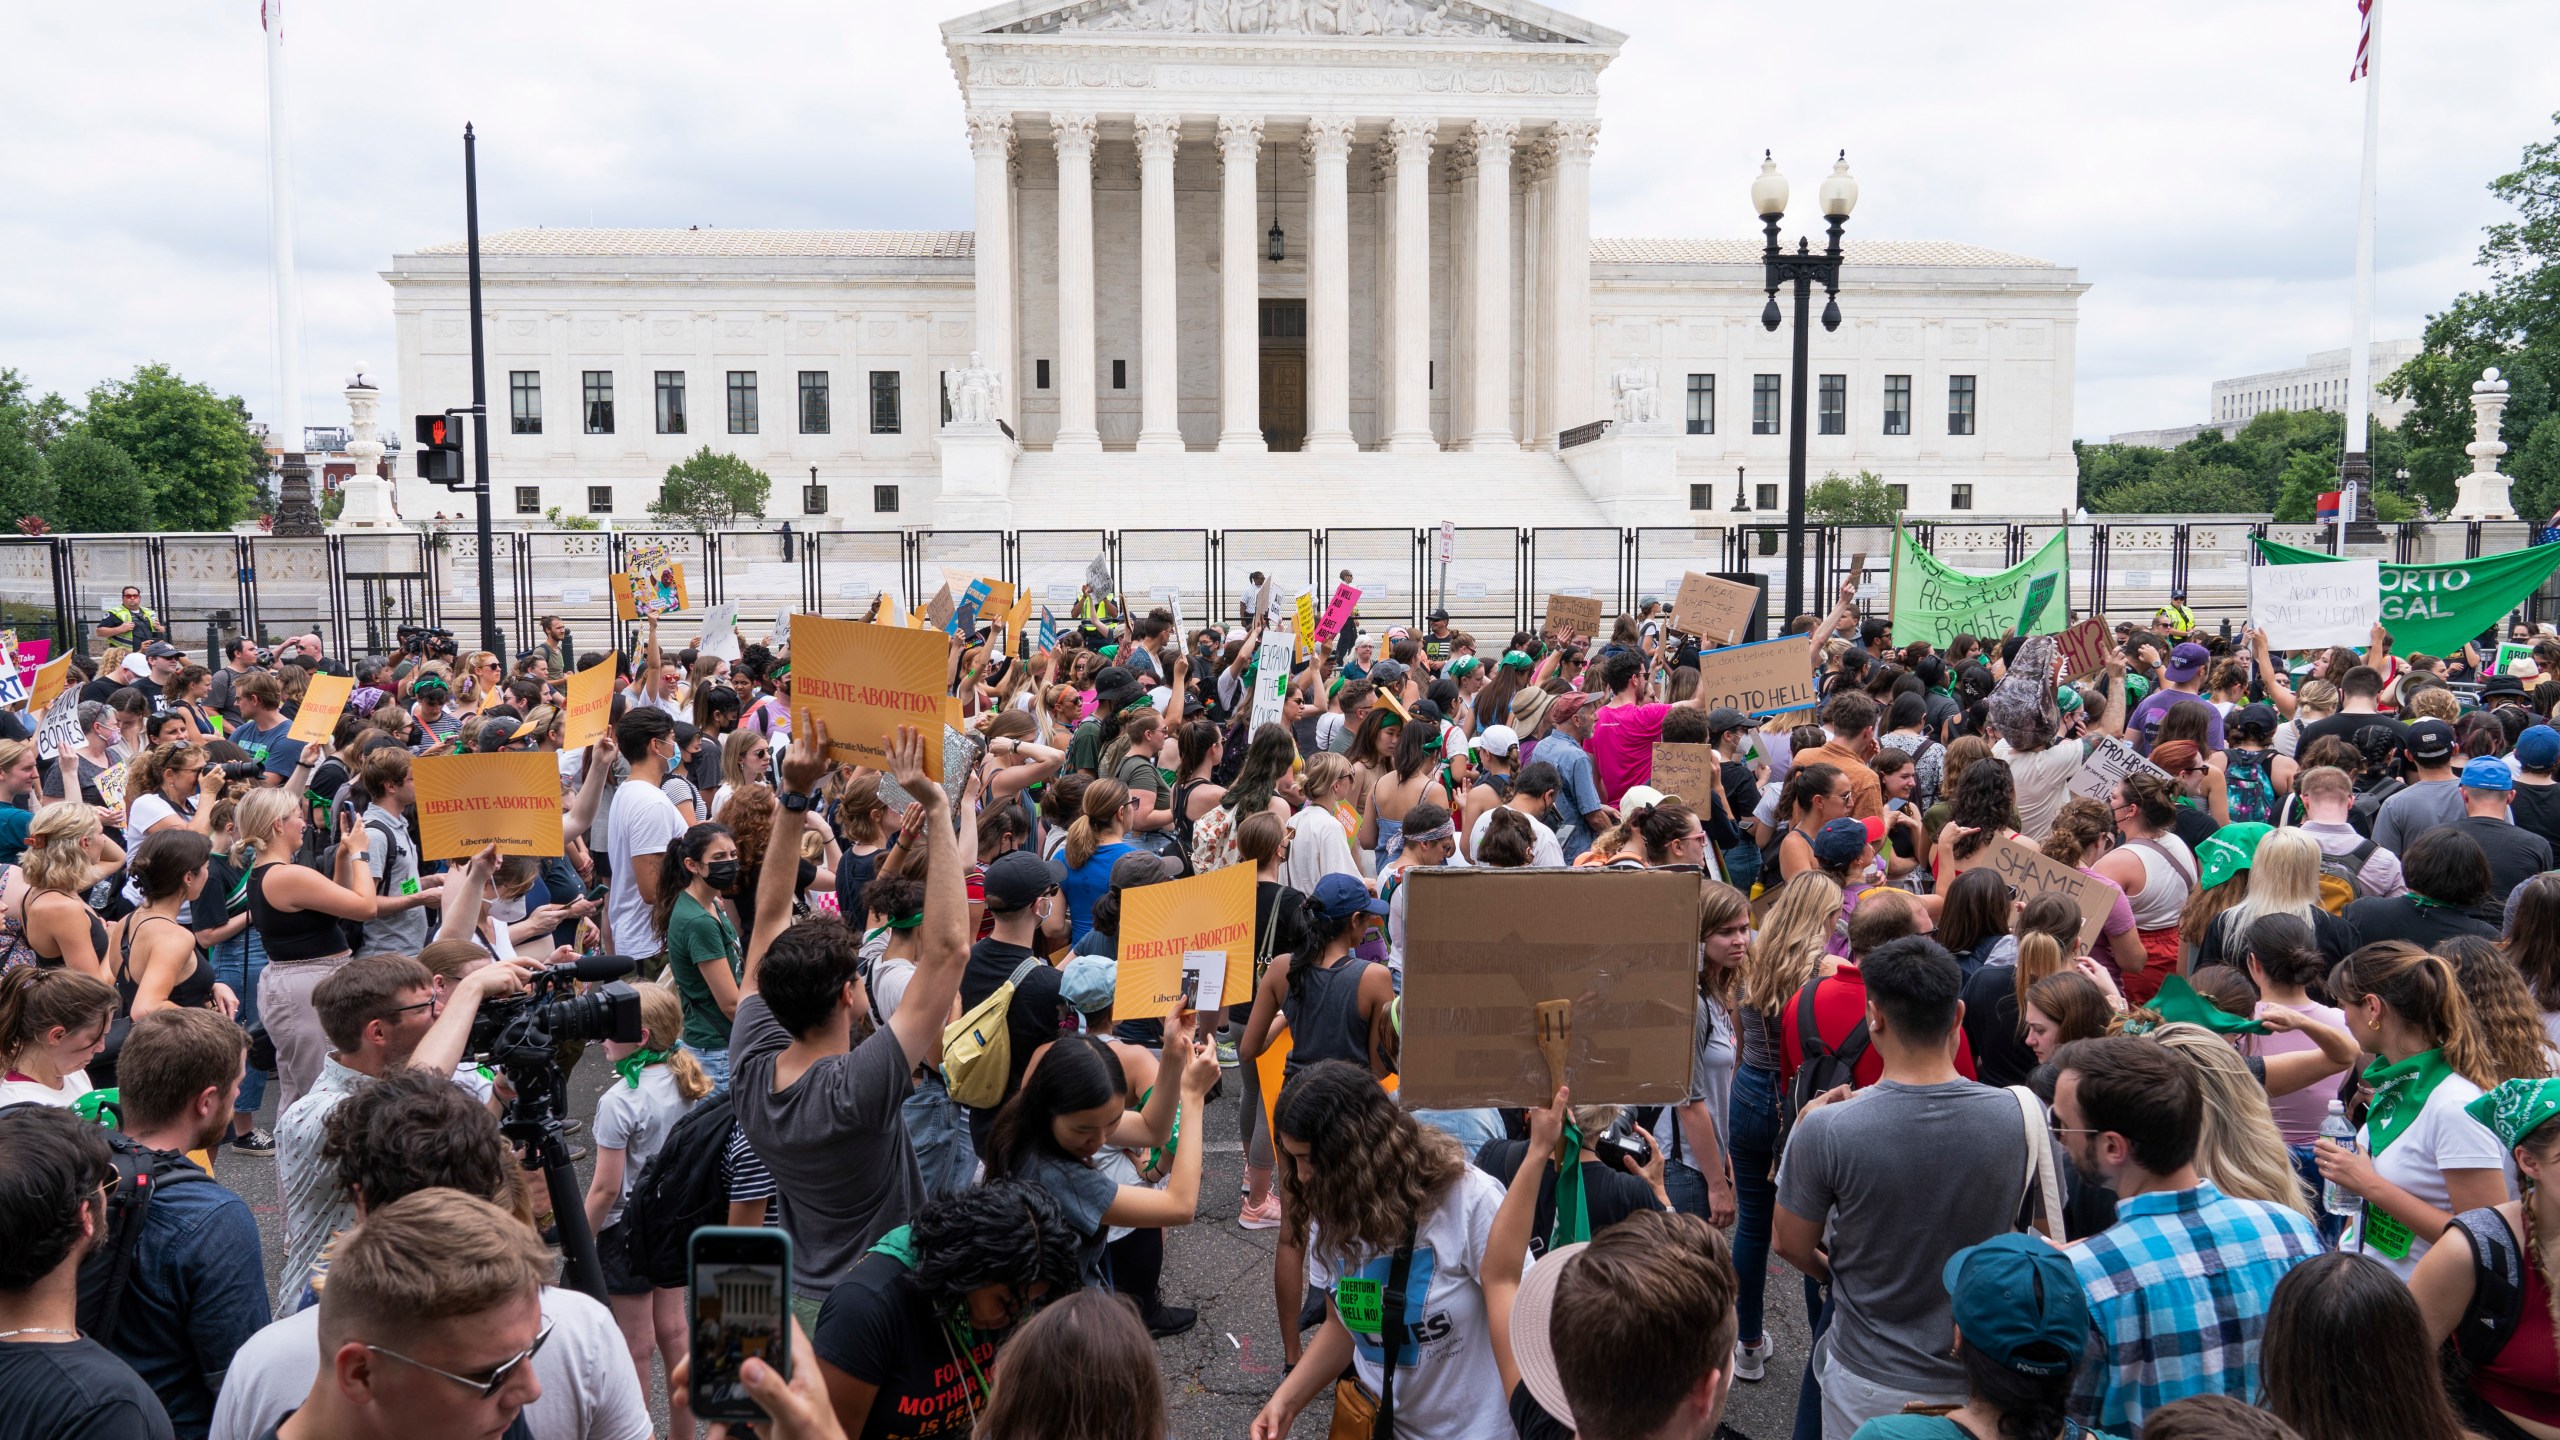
590 703
47 684
665 588
865 681
509 799
316 723
1202 926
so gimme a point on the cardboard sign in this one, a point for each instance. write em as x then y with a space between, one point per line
2303 607
781 631
867 680
939 610
1016 616
1271 678
1162 925
2025 867
1307 621
1688 772
590 703
1770 677
1484 947
1258 607
1572 615
467 802
719 632
2085 647
1337 612
2109 761
48 683
1713 610
316 723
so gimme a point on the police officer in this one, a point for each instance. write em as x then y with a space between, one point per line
130 623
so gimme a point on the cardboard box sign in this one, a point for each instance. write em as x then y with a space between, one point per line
1577 614
1713 610
2085 647
1763 679
1691 772
2026 867
1483 948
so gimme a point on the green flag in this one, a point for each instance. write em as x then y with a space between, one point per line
1936 602
2434 609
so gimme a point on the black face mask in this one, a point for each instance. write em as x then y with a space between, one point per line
723 875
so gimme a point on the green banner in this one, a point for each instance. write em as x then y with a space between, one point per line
2434 609
1936 602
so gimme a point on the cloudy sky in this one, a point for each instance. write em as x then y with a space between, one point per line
2194 159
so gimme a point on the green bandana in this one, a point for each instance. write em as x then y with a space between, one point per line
2178 1003
630 1066
1573 1207
1517 660
1462 667
2400 1092
2516 1109
904 922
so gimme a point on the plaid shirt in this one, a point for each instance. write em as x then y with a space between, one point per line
2178 1294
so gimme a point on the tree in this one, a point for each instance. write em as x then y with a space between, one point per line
712 492
100 487
26 428
2306 478
197 455
1833 500
2182 490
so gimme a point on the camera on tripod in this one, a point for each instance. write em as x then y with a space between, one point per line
426 642
525 1031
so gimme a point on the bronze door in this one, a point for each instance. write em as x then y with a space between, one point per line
1284 373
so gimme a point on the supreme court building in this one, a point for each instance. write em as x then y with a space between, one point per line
1251 263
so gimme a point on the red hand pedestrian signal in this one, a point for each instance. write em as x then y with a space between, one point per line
440 449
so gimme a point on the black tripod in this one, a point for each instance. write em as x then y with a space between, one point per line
532 1125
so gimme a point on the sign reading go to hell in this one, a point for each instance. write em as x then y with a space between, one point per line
1161 923
2333 602
1484 947
1769 677
590 703
2027 868
509 799
1714 610
865 681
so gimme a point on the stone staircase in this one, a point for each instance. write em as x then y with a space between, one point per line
1204 489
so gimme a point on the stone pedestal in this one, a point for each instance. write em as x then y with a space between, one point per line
2483 493
977 477
367 495
297 513
1632 473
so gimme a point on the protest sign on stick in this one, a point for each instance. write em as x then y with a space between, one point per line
1163 925
1716 611
2027 868
865 681
510 799
590 703
1768 677
2304 607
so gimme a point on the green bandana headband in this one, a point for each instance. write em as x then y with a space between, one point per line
906 922
2516 1109
1517 660
1110 652
1143 702
2178 1003
630 1066
1462 667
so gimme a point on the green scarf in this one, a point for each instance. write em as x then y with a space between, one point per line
630 1066
2400 1092
1573 1207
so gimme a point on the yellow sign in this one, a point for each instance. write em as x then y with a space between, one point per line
590 703
316 723
1015 618
865 681
47 684
646 594
1306 623
1159 924
466 802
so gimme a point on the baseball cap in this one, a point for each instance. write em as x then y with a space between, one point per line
1498 740
2431 741
2538 748
2186 661
163 650
1143 867
136 666
1839 842
2017 1300
1567 704
1532 1323
1724 718
2488 773
1018 877
1086 982
1439 614
1339 896
2228 851
2258 717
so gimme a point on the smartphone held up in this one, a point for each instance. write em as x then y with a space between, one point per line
737 1308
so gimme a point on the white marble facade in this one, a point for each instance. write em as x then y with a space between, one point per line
1429 165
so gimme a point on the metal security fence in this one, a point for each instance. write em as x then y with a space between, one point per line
357 590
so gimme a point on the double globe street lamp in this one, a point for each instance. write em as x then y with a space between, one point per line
1801 268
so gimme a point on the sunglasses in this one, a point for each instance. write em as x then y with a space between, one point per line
487 1385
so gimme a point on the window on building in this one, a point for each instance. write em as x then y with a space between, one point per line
942 392
884 499
599 395
1119 374
670 402
1766 499
599 499
1702 497
884 402
524 402
814 416
1959 404
742 402
1040 374
1764 404
1897 404
813 499
1959 497
1901 496
528 499
1834 401
1702 404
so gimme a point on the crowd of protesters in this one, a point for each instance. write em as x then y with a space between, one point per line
2239 1135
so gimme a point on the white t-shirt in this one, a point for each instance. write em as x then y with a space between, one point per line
1317 848
2441 1138
636 1121
589 1390
644 822
23 1092
1545 852
139 817
1446 1383
2043 781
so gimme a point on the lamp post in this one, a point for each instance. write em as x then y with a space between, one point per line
1838 195
1740 505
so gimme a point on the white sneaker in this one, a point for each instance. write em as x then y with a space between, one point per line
1751 1362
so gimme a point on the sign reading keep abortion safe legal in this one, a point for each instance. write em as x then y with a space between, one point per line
2335 602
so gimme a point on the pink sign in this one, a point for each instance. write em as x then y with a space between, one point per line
32 653
1338 612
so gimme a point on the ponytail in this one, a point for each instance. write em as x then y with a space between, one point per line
1102 801
2038 957
2423 990
673 878
662 1012
35 1001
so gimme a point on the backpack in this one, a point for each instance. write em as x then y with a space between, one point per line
354 929
1824 1069
977 1048
2341 877
2250 774
683 1187
2497 1287
107 1271
2368 804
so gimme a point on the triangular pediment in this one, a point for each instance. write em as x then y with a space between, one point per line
1513 21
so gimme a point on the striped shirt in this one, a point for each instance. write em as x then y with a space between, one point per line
2178 1294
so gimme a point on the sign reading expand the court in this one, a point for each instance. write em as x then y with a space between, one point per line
865 681
510 799
1768 677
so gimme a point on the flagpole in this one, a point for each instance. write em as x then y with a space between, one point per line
2357 470
280 236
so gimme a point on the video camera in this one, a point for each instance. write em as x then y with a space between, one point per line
427 642
525 1031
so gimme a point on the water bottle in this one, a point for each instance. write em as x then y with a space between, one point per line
2335 1198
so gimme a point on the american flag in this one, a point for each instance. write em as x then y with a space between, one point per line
2364 42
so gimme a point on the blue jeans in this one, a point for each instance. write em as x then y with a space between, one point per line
714 1063
1809 1392
1686 1187
238 962
1752 1133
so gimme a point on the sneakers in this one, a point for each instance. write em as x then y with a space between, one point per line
1227 1054
1265 1216
1751 1362
1171 1320
256 1142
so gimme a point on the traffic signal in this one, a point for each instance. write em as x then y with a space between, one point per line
440 449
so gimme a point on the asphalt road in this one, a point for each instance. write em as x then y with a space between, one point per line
1218 1375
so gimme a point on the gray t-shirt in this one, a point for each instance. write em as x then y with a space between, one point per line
1905 1176
2415 811
835 1141
393 857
